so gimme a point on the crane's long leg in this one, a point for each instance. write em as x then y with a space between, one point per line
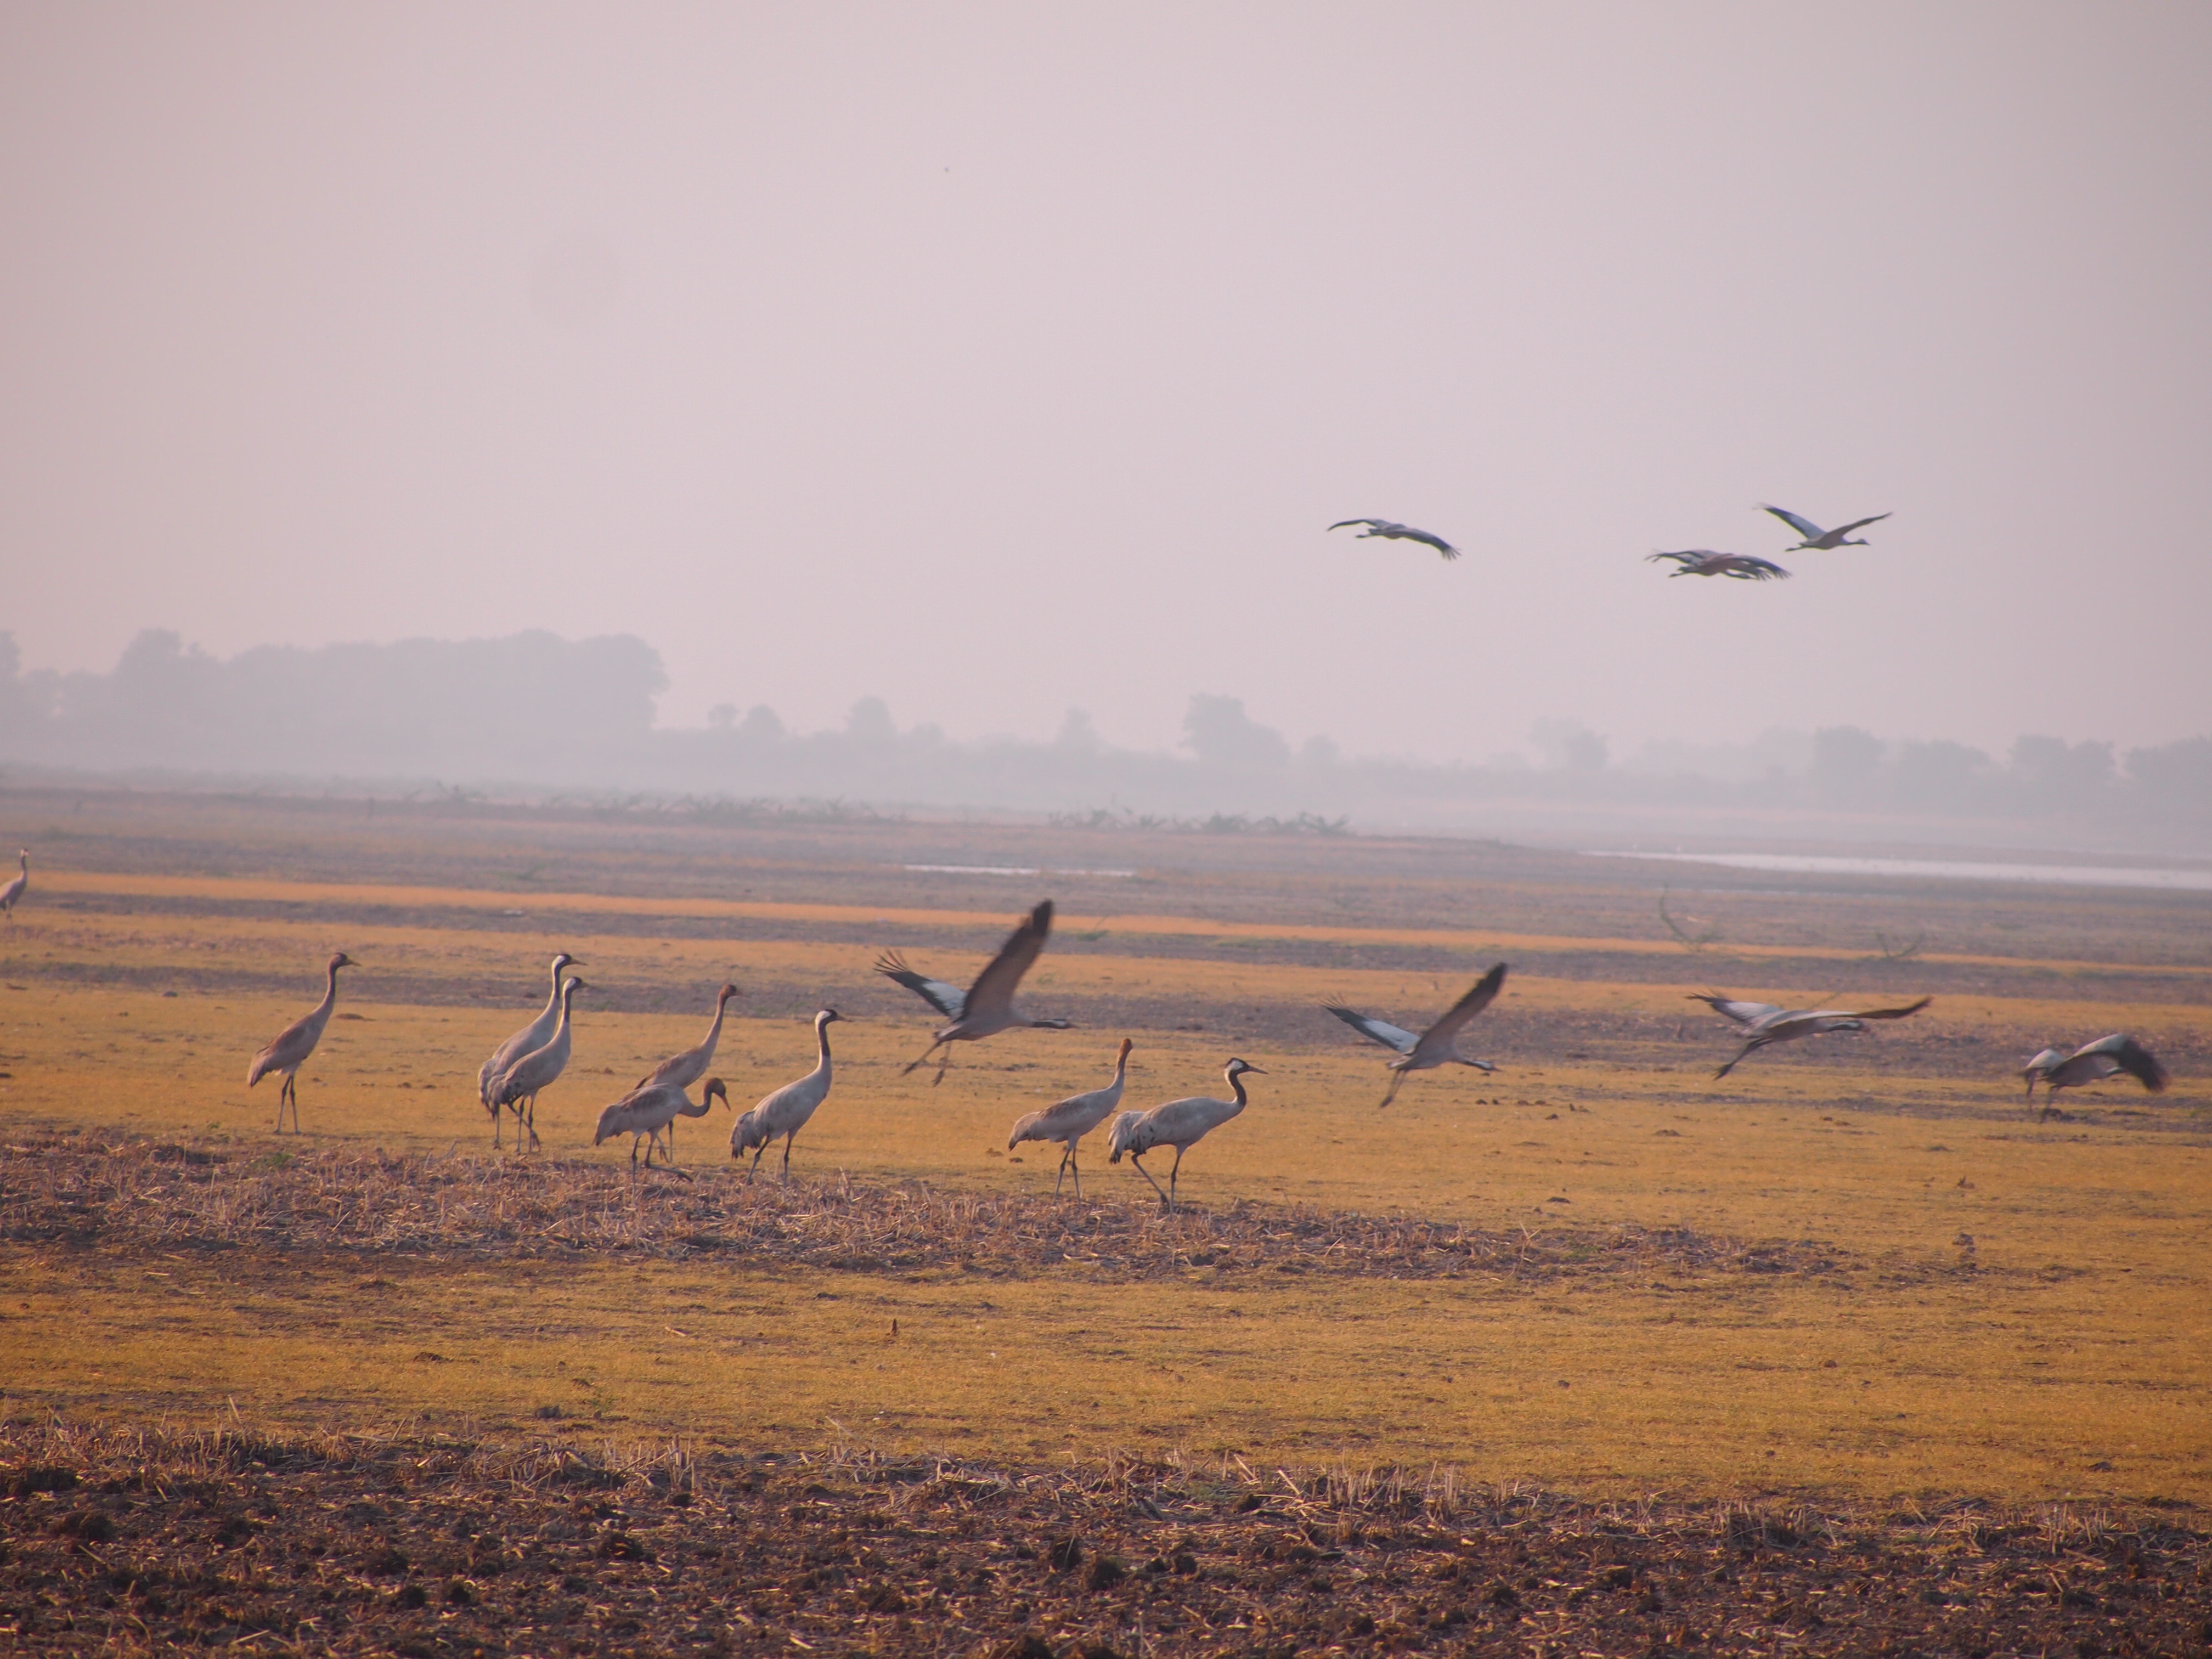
788 1140
1391 1094
925 1054
1172 1174
531 1121
1138 1160
1732 1064
755 1170
1075 1169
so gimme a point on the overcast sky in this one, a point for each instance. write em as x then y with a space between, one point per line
995 360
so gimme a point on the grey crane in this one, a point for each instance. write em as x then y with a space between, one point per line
14 889
1703 561
785 1112
1180 1124
645 1112
2093 1063
1823 540
1439 1045
687 1068
1397 532
288 1052
988 1006
516 1087
1764 1024
531 1036
1068 1121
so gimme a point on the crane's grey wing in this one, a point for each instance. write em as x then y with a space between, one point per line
1880 1013
1480 996
1736 1013
1408 533
1378 1030
1372 524
1859 524
1746 568
947 999
2131 1056
994 987
1805 527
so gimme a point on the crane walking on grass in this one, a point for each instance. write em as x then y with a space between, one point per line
1180 1124
13 892
1397 532
531 1036
2093 1063
988 1007
687 1068
1824 540
785 1112
1703 561
516 1088
1069 1120
645 1112
1439 1044
1764 1024
292 1046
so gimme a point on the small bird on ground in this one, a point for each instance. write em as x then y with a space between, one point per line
1824 540
289 1050
531 1036
1180 1124
1439 1045
516 1088
988 1006
1703 561
645 1111
1397 532
2093 1063
14 891
785 1112
1070 1119
1764 1024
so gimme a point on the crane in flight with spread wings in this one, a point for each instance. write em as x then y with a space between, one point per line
988 1006
1824 540
1398 532
1763 1024
1439 1045
1703 562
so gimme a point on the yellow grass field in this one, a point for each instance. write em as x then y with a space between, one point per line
2015 1309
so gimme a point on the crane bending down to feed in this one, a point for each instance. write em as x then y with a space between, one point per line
1824 540
1180 1124
2093 1063
1763 1024
988 1007
1439 1045
531 1036
644 1112
1397 532
516 1087
687 1068
14 891
785 1112
292 1045
1068 1121
1703 561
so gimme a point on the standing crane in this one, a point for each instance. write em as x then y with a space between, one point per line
1397 532
645 1111
687 1068
1763 1024
531 1036
1070 1119
22 884
288 1052
1439 1045
516 1087
1180 1124
988 1006
2093 1063
1703 561
785 1112
1824 540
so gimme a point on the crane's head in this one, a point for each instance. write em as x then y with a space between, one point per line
1237 1069
825 1017
574 986
564 960
1125 1046
341 960
716 1091
725 994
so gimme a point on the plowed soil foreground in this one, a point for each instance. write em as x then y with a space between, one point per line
134 1542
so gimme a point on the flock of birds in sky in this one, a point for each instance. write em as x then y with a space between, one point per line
1689 562
535 1057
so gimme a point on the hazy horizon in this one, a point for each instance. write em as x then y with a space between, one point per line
998 363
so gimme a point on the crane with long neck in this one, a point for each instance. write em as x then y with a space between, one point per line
784 1113
517 1088
288 1050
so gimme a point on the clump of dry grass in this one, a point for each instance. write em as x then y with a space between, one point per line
162 1194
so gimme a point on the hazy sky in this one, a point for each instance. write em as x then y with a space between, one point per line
1000 359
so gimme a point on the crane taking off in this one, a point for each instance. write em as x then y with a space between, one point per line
2093 1063
1068 1121
1397 532
289 1050
1439 1045
1180 1124
1763 1024
1823 540
1703 561
988 1006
